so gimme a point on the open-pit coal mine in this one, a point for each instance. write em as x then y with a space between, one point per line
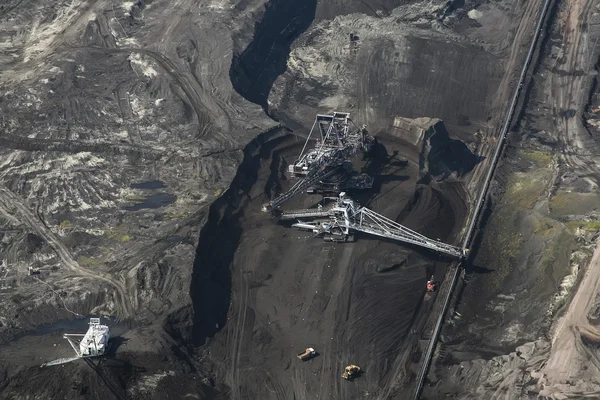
151 151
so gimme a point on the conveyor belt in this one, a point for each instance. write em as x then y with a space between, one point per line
307 213
370 222
299 187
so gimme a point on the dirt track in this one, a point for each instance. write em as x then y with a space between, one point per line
107 97
568 358
527 322
8 199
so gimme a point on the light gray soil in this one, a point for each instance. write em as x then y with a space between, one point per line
139 141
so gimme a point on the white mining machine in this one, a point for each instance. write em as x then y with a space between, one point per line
327 166
93 343
345 215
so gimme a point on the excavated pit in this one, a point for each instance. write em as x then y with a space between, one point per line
263 291
260 291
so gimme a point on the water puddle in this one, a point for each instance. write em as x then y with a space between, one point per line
153 201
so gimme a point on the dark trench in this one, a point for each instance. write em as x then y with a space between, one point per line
254 71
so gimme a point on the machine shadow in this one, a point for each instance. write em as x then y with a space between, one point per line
115 343
421 251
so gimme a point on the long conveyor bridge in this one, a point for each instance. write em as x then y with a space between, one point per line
346 215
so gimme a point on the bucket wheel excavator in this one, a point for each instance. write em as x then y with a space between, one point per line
326 167
327 164
93 343
337 222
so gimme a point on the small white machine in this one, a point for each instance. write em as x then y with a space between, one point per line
93 343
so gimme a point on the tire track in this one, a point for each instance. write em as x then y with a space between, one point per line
238 329
9 201
77 146
278 388
572 365
564 82
208 108
333 363
68 24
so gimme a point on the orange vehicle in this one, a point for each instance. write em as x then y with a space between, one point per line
431 286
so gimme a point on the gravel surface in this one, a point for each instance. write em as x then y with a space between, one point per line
139 141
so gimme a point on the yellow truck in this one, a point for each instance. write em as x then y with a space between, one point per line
351 372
